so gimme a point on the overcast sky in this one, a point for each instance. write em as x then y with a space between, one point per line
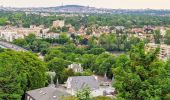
130 4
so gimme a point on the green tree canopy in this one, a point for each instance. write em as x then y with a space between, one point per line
20 71
139 76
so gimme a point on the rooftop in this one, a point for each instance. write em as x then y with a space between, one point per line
47 93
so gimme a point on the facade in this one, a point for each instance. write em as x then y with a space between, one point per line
76 67
10 35
58 23
164 53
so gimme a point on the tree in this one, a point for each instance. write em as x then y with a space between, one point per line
20 72
107 41
88 61
20 42
3 21
58 65
30 38
103 63
10 84
63 38
139 76
157 36
52 53
167 37
96 51
83 94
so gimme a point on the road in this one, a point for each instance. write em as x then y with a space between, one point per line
11 46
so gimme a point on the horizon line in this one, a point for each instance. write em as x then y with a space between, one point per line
85 6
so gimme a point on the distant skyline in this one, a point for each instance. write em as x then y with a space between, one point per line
114 4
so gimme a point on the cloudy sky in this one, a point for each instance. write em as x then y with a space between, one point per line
130 4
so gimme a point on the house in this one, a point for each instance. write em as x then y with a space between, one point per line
9 35
46 93
79 82
164 53
58 23
76 67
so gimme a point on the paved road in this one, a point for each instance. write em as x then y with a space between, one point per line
11 46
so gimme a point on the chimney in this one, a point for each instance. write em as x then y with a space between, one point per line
105 77
52 82
95 77
57 83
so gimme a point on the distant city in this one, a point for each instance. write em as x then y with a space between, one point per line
87 9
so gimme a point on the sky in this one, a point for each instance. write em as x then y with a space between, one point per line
114 4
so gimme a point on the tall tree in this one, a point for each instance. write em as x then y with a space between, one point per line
167 37
138 77
20 71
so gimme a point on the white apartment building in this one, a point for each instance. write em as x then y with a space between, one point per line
58 23
164 53
76 67
10 35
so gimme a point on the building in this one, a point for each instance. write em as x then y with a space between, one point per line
164 53
52 92
46 93
9 35
79 82
58 23
76 67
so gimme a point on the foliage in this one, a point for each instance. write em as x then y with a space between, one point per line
102 98
57 65
96 51
83 94
157 36
167 37
20 71
69 98
32 43
3 21
139 76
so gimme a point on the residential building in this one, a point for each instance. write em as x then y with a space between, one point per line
58 23
79 82
10 35
164 53
76 67
46 93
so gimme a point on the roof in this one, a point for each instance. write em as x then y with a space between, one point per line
47 93
78 82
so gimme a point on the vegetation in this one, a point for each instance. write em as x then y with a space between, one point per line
20 72
141 75
83 94
127 20
167 37
33 44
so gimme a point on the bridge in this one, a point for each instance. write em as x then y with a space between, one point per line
11 46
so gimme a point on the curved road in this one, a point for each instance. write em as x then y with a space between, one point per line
11 46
